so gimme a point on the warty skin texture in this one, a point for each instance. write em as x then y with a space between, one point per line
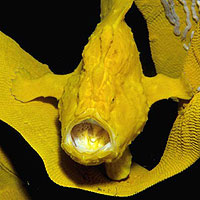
102 89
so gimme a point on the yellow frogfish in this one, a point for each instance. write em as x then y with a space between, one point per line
102 106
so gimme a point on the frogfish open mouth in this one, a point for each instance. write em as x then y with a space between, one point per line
89 142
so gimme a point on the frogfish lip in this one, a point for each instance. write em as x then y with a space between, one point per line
89 142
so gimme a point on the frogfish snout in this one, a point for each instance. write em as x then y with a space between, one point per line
88 142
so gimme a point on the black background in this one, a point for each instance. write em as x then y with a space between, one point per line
55 34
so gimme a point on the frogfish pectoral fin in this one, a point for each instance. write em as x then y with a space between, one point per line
164 87
25 88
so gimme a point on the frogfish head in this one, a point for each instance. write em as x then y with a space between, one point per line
104 107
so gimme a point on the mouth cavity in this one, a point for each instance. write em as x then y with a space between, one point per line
89 137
